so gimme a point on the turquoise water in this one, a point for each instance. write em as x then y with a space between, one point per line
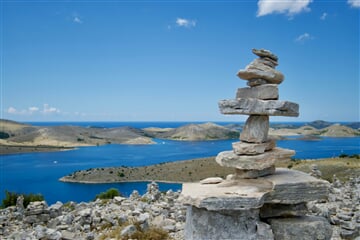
39 172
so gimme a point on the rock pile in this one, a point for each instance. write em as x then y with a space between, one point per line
97 219
257 201
343 208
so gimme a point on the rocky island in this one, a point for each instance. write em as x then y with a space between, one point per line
18 137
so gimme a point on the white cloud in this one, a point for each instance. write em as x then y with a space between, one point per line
47 109
182 22
12 110
324 16
33 109
77 19
288 7
303 38
354 3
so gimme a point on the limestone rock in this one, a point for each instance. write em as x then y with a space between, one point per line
202 224
253 162
269 74
265 53
256 82
239 173
264 92
301 228
292 187
244 148
256 129
251 106
229 195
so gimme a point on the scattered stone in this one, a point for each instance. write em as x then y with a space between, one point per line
212 180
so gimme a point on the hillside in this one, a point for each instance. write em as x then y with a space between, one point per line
15 135
194 132
335 130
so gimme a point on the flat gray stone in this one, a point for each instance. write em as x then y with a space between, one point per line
251 106
285 186
245 148
202 224
253 162
301 228
291 187
256 129
229 195
264 92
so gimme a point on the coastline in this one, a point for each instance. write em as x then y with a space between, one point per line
18 149
197 169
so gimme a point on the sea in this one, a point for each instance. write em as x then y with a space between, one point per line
40 172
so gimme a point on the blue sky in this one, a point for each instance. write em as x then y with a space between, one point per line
173 60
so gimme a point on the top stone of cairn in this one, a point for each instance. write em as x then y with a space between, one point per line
265 53
262 70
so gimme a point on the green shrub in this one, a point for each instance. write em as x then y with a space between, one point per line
343 155
11 198
4 135
109 194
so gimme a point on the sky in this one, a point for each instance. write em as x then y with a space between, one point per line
173 60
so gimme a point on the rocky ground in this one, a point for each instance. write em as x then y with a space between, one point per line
154 215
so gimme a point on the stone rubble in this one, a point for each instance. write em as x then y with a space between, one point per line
343 208
257 201
87 221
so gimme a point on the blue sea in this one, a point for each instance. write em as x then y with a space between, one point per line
39 172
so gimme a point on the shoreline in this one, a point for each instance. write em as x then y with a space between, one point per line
194 170
19 149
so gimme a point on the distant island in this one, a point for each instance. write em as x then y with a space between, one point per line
17 137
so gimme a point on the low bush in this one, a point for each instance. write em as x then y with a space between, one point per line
109 194
11 198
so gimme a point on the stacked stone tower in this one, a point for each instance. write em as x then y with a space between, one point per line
255 155
258 201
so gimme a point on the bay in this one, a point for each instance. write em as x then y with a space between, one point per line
39 172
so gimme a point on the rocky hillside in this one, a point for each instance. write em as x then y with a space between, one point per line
335 130
156 214
194 132
17 134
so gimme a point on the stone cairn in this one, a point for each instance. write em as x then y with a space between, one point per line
258 201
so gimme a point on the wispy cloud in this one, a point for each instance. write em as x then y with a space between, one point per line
188 23
288 7
303 38
324 16
12 110
32 110
354 3
76 19
48 110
